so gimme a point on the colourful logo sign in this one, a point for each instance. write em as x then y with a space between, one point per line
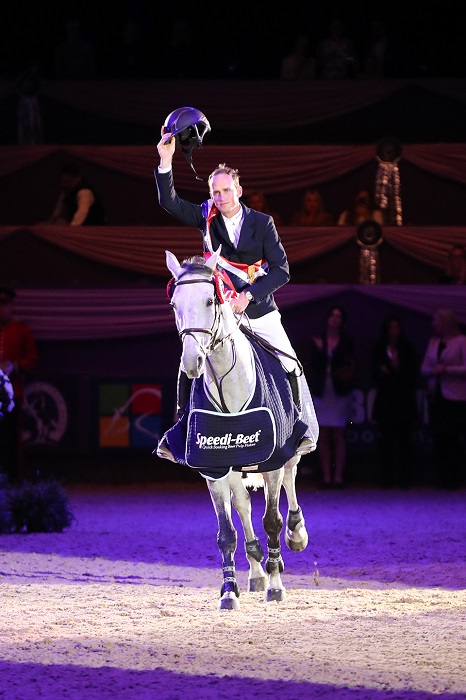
129 414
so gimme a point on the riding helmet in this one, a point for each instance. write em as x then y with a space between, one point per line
188 125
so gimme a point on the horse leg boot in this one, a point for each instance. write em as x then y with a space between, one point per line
306 445
226 541
296 536
183 394
273 524
241 500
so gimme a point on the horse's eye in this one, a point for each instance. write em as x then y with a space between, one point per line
210 302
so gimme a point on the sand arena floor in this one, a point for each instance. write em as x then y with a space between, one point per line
124 603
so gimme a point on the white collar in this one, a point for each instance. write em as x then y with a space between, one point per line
233 221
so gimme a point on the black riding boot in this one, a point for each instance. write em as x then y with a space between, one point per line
306 445
295 384
183 392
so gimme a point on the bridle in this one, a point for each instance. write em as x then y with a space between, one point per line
215 327
213 332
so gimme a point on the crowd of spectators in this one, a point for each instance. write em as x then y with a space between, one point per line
148 41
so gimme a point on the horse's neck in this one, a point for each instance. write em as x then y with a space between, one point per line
232 365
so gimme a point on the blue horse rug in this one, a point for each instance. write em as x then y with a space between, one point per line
267 433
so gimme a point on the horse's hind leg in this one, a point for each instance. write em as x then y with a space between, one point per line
273 523
296 536
226 541
241 499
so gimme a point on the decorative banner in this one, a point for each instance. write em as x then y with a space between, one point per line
46 412
130 414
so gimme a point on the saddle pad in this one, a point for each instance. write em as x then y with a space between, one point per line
229 439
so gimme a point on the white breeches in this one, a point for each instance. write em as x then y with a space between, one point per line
270 328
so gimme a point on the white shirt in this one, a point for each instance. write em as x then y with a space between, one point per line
453 381
233 225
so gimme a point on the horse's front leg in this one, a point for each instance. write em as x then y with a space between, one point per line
241 498
273 523
296 536
226 541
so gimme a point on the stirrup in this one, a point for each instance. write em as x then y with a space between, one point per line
305 446
163 451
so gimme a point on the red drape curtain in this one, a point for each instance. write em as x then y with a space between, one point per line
273 169
142 248
92 314
270 104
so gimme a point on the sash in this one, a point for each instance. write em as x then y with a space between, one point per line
243 272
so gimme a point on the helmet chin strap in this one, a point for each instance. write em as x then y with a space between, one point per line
188 154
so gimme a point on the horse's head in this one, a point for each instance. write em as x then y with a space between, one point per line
196 300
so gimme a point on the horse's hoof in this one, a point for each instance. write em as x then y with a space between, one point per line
277 594
257 585
228 602
296 545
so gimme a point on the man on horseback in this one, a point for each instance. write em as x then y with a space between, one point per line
252 256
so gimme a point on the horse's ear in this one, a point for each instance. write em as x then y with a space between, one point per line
173 264
212 261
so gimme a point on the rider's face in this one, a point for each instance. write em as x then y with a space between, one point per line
226 194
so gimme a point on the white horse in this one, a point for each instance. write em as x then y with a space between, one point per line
215 347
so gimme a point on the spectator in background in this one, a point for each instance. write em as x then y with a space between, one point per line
299 64
395 370
313 212
77 204
336 56
29 119
75 56
455 272
375 51
258 201
362 208
444 367
18 357
330 367
132 58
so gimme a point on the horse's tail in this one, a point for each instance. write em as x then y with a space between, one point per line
253 480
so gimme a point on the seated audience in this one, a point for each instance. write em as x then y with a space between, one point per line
299 64
258 201
455 272
363 208
336 54
313 212
77 204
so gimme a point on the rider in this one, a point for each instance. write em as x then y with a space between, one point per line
251 254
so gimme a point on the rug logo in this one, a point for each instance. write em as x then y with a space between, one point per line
226 441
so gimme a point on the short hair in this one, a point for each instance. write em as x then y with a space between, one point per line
223 169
